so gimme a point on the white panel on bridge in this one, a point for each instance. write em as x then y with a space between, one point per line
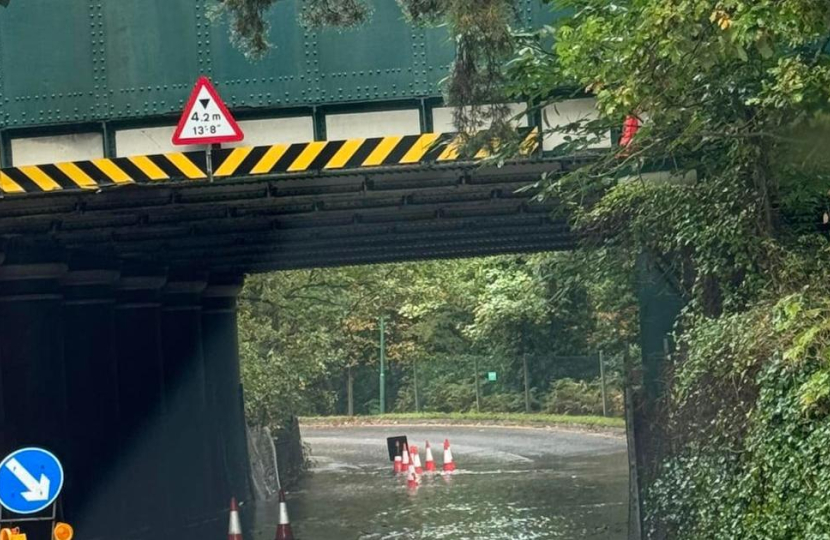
157 140
149 140
57 148
297 129
567 112
372 124
442 118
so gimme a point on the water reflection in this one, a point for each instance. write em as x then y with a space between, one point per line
352 497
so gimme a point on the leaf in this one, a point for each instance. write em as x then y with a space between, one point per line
741 52
764 47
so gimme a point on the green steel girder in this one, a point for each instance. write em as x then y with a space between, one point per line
93 61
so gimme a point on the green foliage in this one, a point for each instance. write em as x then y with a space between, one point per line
249 26
507 402
510 419
299 329
300 332
772 484
342 13
482 32
724 185
583 398
728 90
751 412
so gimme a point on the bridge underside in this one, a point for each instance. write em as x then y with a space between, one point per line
118 343
272 223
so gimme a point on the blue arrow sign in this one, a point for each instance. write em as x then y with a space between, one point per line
30 480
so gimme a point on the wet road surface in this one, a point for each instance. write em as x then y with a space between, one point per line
511 484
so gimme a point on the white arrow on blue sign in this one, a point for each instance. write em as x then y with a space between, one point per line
30 480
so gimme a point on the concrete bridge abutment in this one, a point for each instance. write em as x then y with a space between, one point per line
130 375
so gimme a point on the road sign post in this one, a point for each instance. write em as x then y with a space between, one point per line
209 162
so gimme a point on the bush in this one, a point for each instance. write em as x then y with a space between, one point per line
567 396
774 484
504 402
450 397
750 423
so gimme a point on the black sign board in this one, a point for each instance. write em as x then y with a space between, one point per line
395 446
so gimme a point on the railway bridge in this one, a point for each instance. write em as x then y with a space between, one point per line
120 263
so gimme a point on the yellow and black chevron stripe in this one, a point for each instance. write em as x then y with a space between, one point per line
319 156
100 173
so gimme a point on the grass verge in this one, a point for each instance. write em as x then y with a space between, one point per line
502 419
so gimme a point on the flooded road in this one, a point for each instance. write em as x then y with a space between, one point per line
511 484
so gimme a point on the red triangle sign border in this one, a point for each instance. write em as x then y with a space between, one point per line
178 136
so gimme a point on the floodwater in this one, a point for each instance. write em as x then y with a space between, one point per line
511 484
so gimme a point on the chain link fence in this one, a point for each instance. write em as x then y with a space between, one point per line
588 384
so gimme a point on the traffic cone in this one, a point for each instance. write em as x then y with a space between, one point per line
398 467
449 466
430 463
234 525
284 531
416 460
398 464
405 458
411 479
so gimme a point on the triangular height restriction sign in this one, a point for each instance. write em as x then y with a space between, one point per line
206 119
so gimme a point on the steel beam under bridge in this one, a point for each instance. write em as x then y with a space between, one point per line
284 206
129 374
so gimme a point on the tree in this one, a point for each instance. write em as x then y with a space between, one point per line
734 99
303 331
481 30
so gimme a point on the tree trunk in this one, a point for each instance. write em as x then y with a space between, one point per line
478 389
350 390
527 384
415 382
602 384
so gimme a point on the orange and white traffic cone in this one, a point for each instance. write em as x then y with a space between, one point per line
430 463
234 525
411 478
449 465
416 460
398 462
405 458
284 531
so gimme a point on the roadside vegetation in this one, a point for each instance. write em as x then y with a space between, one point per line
733 98
449 325
500 419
